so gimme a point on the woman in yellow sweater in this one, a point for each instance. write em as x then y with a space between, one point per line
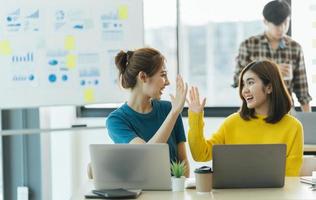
262 119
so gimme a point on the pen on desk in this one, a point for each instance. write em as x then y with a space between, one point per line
78 125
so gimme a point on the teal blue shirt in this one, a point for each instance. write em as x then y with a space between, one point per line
124 124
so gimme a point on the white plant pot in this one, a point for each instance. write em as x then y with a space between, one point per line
178 184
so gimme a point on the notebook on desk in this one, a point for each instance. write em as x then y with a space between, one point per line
306 179
119 193
249 166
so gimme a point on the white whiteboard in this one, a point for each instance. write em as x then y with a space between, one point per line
62 52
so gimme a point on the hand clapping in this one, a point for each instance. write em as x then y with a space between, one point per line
194 101
181 92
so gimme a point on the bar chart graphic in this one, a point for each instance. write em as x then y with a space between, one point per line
29 57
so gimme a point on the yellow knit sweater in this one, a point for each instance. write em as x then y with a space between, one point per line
235 130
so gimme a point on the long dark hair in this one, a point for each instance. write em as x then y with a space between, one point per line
279 98
130 63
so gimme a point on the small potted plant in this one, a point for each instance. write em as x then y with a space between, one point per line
178 178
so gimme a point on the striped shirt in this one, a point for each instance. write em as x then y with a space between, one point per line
288 52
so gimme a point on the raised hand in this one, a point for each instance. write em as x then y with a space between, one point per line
194 101
181 93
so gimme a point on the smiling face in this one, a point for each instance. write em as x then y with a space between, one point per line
255 93
263 92
155 84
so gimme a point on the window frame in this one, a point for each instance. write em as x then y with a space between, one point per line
209 111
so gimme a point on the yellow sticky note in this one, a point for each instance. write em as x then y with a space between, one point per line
71 61
5 47
70 42
89 95
123 12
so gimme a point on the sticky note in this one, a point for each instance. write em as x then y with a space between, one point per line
71 61
89 95
123 12
70 42
5 47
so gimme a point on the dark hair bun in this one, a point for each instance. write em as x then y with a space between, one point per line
121 61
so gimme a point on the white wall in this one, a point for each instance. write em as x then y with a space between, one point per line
57 152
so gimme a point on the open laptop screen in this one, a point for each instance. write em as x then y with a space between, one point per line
249 166
131 166
308 121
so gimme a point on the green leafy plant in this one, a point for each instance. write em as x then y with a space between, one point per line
178 168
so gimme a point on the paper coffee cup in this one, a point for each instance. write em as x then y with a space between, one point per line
289 76
203 179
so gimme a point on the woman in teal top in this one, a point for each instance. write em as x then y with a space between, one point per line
144 118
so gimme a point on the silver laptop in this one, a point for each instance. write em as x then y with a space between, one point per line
131 166
249 166
308 121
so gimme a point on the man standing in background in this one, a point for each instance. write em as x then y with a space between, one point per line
276 46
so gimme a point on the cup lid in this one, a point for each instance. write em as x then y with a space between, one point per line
203 170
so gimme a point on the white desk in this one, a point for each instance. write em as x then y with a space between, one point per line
293 189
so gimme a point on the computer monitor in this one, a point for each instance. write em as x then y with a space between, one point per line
249 166
308 120
131 166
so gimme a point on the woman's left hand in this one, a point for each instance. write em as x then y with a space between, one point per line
195 105
181 93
